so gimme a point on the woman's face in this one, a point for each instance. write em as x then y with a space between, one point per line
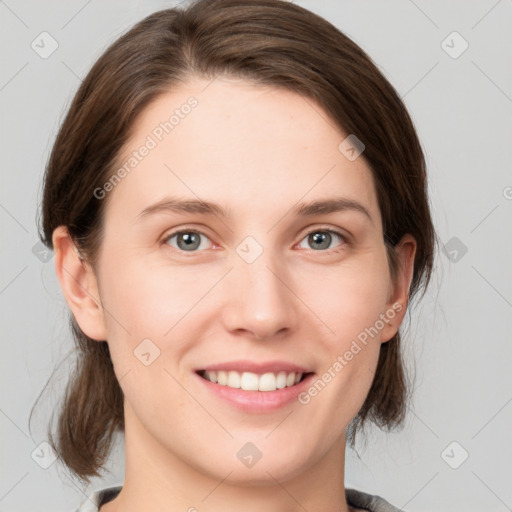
262 283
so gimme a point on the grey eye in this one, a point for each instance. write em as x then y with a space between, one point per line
320 239
186 240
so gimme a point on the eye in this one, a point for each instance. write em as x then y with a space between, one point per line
189 240
186 240
321 239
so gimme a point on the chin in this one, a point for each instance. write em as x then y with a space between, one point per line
265 472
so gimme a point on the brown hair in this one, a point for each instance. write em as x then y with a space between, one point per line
271 42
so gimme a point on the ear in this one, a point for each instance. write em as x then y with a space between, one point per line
79 285
399 293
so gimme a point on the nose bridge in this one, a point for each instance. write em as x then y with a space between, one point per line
259 301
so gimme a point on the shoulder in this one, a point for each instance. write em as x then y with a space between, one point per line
369 502
98 498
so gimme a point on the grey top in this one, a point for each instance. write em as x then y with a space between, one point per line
355 498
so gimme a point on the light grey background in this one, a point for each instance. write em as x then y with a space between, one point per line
459 338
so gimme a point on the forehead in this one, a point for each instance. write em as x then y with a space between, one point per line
239 144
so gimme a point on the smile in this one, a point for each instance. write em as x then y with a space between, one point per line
249 381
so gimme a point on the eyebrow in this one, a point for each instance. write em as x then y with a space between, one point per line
318 207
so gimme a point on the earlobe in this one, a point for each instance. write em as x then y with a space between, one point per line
79 285
399 296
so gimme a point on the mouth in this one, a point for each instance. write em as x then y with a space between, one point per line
249 381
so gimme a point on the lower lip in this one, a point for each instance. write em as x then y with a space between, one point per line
258 401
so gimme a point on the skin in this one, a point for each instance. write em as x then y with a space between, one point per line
257 151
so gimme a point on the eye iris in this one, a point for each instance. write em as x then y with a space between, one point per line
323 238
191 240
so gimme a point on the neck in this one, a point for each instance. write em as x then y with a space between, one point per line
158 479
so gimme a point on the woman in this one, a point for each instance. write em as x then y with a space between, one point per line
237 201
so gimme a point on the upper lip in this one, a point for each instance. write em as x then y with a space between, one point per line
254 367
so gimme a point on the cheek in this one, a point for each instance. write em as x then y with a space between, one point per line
152 299
348 299
349 307
349 303
146 302
145 308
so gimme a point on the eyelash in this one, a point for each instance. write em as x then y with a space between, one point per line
343 237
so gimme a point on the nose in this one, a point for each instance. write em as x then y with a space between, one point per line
259 299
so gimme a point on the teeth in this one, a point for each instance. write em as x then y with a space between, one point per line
267 382
281 380
249 381
234 380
